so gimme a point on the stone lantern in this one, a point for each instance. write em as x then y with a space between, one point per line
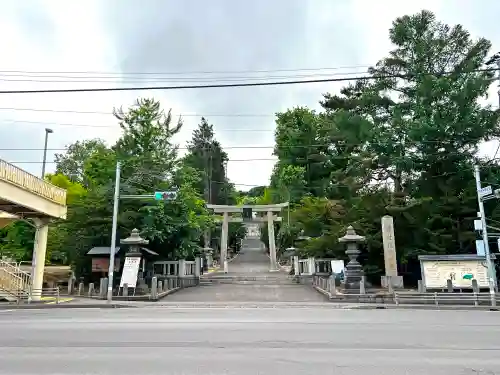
134 242
353 270
209 260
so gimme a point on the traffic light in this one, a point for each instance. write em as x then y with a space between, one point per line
165 195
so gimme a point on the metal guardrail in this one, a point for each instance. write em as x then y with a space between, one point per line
13 280
326 287
47 295
436 299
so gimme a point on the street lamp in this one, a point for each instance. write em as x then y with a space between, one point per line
47 132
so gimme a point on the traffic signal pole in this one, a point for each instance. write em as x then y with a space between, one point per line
489 264
159 195
112 247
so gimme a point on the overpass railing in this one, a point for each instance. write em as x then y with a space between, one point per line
17 176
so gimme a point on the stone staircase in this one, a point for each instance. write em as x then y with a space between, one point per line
256 279
14 282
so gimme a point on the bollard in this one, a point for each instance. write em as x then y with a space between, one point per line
160 286
91 289
70 285
296 269
105 287
396 299
333 287
421 286
57 296
362 285
103 290
475 289
436 299
390 287
154 289
125 290
197 267
449 286
81 288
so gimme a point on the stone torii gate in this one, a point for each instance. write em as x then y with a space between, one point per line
270 218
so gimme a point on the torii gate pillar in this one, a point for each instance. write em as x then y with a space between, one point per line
272 243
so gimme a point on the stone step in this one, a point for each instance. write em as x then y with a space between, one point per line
246 277
239 282
262 280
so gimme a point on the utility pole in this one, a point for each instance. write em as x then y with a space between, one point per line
489 264
207 194
44 162
112 247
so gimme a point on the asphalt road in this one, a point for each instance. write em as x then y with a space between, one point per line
308 340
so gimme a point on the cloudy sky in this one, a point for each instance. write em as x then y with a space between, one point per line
98 43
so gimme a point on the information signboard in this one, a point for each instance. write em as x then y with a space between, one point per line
130 271
460 272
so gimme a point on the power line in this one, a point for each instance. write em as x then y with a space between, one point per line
111 113
187 72
263 147
227 85
184 87
274 159
68 79
230 160
116 126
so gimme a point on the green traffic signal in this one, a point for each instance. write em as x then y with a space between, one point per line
165 195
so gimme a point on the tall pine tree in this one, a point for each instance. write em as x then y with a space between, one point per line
207 156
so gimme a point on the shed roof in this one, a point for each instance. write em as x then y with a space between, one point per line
105 250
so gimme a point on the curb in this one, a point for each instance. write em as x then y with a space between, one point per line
423 307
63 306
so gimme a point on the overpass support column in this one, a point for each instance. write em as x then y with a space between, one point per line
272 243
38 263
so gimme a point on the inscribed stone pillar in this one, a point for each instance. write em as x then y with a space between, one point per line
391 268
390 260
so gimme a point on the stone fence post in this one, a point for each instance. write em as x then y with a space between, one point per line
182 268
311 263
296 265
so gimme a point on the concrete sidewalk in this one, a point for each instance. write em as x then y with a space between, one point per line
64 303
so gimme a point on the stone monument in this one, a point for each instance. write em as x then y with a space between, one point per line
391 278
209 258
353 270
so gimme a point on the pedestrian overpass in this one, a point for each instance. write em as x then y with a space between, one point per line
25 196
